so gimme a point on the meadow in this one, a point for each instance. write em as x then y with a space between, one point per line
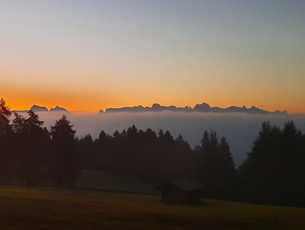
25 208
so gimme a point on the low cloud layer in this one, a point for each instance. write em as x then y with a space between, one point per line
240 129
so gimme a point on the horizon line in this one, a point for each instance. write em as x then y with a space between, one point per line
103 109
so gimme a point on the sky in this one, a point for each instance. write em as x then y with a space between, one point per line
87 55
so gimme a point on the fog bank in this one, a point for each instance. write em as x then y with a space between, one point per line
240 129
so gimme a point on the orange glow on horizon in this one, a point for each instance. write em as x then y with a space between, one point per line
24 99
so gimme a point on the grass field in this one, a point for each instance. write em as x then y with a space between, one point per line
46 209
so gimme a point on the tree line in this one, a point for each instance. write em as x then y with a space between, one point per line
32 155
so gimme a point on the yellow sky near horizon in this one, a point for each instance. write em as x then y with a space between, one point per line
22 99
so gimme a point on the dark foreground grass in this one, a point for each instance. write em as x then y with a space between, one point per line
29 209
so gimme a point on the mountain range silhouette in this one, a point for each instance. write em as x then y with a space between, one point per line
203 107
39 108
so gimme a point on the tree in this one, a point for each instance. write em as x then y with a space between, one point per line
86 152
272 172
65 162
5 142
216 166
31 148
5 113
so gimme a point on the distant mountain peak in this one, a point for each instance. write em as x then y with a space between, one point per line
58 109
203 107
38 108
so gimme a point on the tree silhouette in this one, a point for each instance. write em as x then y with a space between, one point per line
5 129
66 165
31 146
5 142
216 166
272 172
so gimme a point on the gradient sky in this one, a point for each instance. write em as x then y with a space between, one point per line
88 54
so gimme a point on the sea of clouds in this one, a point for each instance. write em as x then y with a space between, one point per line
240 129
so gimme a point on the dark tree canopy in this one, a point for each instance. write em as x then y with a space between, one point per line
62 132
65 167
31 143
4 110
5 141
5 113
216 167
274 169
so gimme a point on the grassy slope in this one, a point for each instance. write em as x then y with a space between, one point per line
41 209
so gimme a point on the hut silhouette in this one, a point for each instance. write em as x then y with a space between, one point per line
176 195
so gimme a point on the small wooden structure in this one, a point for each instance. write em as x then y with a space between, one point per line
172 194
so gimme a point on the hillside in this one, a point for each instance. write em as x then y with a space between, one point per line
50 209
